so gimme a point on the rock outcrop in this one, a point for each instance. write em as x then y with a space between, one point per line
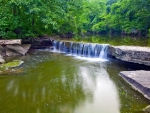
6 42
135 54
9 68
13 50
1 55
139 80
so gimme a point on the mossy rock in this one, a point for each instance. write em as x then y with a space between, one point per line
9 68
14 63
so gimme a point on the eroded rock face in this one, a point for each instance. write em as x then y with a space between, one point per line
135 54
13 50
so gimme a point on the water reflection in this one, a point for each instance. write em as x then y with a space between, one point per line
10 85
103 91
62 84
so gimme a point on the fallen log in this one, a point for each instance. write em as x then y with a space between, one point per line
10 42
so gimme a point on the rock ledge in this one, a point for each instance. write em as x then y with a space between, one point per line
134 54
139 80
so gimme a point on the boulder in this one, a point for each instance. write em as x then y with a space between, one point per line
6 42
2 54
12 50
9 68
135 54
2 59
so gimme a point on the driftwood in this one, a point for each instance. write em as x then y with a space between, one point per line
10 42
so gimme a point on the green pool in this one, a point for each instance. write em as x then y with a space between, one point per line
56 83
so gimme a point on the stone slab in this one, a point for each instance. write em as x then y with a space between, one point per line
134 54
7 42
139 80
19 49
134 48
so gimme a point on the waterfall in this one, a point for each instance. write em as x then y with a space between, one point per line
84 50
70 48
103 52
54 46
80 48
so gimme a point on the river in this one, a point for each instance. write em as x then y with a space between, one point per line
59 83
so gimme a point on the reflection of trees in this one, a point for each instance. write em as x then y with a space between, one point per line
56 84
50 86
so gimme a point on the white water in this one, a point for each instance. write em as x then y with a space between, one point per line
82 51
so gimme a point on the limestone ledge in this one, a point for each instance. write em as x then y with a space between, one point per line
134 54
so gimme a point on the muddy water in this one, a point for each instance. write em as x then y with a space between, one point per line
55 83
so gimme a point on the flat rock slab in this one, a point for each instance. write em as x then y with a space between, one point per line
10 42
134 48
139 80
21 49
135 54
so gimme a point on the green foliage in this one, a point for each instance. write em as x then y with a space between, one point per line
33 18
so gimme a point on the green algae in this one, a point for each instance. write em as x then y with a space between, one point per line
14 63
9 68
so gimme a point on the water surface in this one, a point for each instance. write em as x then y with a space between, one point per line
56 83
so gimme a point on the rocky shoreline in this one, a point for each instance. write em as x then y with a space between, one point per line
139 80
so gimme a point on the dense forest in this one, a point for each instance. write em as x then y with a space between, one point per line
34 18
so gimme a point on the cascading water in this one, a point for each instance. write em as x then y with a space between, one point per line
54 46
103 52
82 50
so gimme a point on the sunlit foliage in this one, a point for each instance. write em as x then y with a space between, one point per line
34 18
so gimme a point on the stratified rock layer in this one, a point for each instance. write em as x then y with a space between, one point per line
135 54
17 49
13 50
139 80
